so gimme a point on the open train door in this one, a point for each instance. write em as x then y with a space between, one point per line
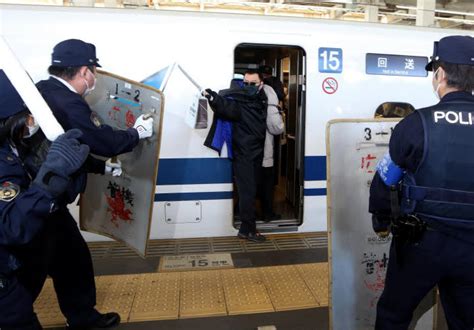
121 207
289 66
358 258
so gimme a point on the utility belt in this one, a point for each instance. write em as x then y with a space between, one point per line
405 228
408 229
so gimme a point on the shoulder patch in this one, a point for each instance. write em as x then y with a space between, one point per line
9 191
95 119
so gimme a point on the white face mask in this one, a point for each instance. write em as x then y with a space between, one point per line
89 89
32 129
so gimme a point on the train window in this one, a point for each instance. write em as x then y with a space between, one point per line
393 110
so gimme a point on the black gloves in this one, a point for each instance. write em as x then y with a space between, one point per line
64 158
209 94
94 165
76 186
381 224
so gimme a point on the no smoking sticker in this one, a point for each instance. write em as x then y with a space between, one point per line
330 85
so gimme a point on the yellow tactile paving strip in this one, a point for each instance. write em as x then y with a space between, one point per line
202 294
159 296
316 278
117 293
286 288
245 292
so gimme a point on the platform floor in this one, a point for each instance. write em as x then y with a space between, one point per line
272 286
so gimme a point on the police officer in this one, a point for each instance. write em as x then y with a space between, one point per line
246 109
432 152
72 70
26 206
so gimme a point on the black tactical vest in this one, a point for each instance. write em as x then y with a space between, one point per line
443 185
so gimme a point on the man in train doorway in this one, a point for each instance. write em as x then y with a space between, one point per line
246 109
430 159
72 70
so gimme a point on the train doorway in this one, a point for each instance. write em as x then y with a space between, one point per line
288 65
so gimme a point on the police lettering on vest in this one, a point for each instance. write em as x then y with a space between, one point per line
454 117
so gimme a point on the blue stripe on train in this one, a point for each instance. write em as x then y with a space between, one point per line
179 171
198 196
315 168
315 192
213 195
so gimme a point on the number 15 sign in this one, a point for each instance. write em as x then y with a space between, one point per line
330 60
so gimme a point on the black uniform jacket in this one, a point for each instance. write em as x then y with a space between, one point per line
406 150
23 208
72 111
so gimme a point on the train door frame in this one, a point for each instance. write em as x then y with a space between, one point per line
297 103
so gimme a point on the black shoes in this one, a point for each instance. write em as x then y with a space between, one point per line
108 320
253 237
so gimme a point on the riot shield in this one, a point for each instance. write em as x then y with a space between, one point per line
358 257
121 207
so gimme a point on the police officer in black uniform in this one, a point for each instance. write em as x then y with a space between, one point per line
431 211
28 207
72 71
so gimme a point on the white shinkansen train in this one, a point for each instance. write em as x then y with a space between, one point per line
331 70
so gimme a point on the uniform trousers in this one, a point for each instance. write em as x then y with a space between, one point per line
16 306
438 259
61 252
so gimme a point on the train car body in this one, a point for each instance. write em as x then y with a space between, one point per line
332 70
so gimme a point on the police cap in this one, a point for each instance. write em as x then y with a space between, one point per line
73 53
10 101
266 69
453 49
